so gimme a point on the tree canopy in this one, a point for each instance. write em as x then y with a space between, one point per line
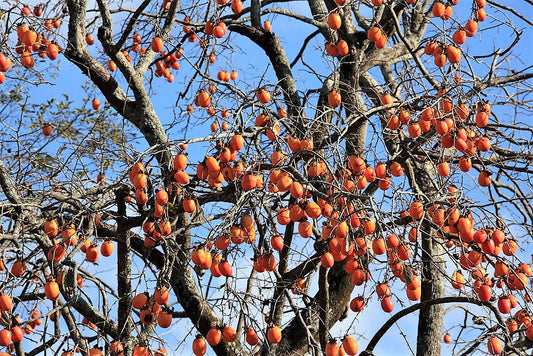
264 177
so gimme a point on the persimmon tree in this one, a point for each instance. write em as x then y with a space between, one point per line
265 204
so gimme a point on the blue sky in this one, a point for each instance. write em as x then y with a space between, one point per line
251 68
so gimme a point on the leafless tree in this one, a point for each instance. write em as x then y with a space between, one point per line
396 142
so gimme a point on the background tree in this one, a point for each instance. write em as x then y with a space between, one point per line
390 165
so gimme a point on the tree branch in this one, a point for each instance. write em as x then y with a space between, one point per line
270 43
383 330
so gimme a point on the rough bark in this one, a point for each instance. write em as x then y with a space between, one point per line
124 320
433 267
295 338
430 319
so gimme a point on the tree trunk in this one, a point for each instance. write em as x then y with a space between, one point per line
295 335
430 319
433 263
